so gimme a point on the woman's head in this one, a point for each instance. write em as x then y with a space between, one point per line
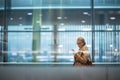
80 42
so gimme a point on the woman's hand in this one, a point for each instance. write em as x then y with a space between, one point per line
78 54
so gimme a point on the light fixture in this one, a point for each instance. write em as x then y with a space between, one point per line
59 17
83 21
11 19
112 18
116 50
60 46
85 13
29 13
86 29
109 29
111 45
61 29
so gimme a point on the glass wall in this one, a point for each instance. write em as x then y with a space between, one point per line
46 30
1 28
107 24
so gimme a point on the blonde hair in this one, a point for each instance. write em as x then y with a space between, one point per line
81 39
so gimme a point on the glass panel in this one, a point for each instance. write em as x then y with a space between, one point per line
1 46
104 43
20 47
107 27
67 42
104 46
107 4
1 27
2 3
117 47
36 29
46 47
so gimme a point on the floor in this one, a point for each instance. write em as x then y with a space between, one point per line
58 71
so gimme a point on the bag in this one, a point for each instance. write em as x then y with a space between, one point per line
88 63
79 63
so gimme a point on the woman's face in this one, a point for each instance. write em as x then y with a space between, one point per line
80 43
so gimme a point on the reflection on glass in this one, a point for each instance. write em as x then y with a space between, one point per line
46 30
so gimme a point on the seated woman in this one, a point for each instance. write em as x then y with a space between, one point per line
81 57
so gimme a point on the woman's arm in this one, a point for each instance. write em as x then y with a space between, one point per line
82 56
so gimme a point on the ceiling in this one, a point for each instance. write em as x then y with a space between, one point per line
37 4
64 16
52 9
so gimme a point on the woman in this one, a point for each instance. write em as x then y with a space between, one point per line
82 56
